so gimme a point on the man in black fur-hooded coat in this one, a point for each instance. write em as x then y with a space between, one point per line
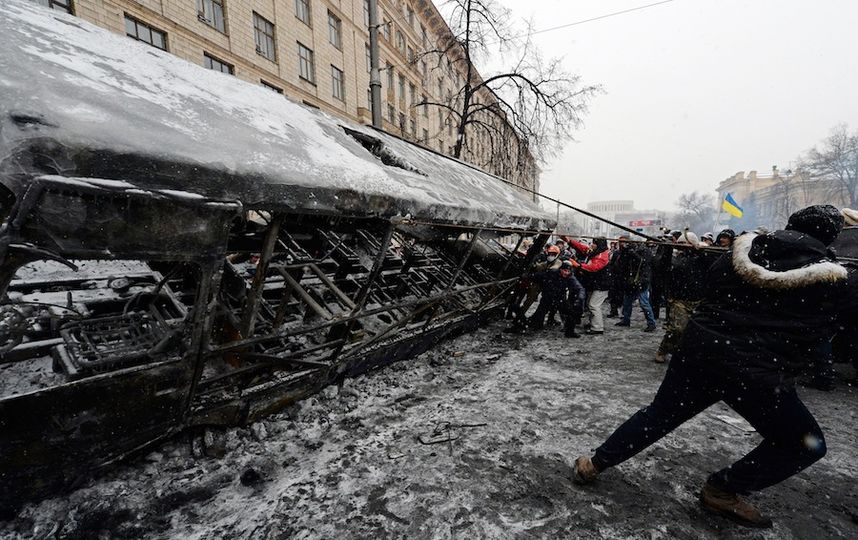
772 299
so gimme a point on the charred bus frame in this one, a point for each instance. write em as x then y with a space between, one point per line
220 294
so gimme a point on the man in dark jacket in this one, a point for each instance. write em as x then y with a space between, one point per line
686 284
661 273
772 299
635 275
615 293
560 292
845 343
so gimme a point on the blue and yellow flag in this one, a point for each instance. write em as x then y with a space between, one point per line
731 206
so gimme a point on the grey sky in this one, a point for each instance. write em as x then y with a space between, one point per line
696 90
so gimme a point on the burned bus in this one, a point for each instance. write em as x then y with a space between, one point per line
182 249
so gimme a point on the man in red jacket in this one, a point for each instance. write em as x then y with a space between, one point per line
595 277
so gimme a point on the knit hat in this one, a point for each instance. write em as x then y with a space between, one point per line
851 216
729 233
601 244
821 221
708 236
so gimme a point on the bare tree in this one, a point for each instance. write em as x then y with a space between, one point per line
696 211
529 108
791 192
835 162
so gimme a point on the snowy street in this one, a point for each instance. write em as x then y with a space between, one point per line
474 439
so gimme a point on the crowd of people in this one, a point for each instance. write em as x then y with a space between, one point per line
742 323
576 278
666 279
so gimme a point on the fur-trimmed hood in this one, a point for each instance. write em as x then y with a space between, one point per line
784 260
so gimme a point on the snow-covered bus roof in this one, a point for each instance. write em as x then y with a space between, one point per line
102 105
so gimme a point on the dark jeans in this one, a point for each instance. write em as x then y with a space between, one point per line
570 314
792 440
643 298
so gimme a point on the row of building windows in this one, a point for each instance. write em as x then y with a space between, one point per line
264 32
213 14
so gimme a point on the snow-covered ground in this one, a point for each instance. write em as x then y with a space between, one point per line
349 463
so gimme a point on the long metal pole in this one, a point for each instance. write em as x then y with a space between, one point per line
374 76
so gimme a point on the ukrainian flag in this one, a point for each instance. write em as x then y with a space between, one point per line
731 206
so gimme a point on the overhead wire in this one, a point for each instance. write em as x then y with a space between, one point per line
550 29
600 17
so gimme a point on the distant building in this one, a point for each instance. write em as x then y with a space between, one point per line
607 210
622 212
768 200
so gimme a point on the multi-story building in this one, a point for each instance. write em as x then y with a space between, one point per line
768 200
317 52
622 212
607 210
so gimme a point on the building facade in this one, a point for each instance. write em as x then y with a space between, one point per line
317 52
768 200
622 212
582 224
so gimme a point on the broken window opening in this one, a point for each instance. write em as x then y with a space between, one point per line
377 148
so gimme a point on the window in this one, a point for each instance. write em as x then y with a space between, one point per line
306 65
335 32
424 37
145 33
270 86
218 65
338 83
389 69
368 58
412 93
423 69
369 99
410 12
440 120
400 42
391 113
385 29
440 88
59 5
410 54
413 128
366 13
425 106
425 135
402 122
211 13
263 32
401 87
302 11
